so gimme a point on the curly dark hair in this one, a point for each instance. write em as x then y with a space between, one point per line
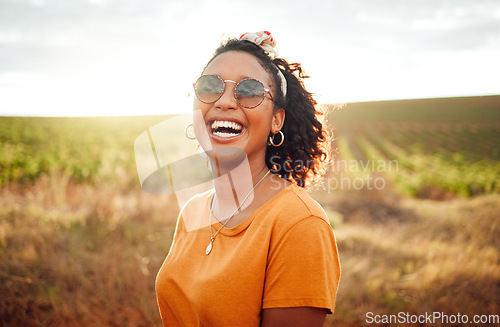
305 153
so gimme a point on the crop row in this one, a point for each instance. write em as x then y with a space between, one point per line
466 167
462 160
96 150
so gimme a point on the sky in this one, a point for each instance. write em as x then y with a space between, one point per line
131 57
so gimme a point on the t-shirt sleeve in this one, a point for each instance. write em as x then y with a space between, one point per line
303 267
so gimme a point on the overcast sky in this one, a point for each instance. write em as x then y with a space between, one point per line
131 57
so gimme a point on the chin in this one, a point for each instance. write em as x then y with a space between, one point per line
227 156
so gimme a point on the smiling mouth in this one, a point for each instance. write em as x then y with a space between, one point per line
225 128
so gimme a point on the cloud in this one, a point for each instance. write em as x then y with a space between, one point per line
68 40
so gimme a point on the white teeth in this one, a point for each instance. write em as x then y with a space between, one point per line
227 124
221 134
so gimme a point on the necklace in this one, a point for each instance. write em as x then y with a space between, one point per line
212 237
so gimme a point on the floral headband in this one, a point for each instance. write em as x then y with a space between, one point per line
265 40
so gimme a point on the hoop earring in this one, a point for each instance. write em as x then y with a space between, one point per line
186 132
271 139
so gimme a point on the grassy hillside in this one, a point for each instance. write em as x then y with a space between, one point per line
80 242
95 150
437 147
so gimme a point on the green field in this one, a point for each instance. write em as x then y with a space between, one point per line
95 150
440 146
80 242
437 147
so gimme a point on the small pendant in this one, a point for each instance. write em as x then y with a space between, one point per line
209 248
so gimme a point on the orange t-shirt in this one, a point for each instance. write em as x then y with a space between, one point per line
283 255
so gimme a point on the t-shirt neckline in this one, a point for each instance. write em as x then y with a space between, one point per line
245 223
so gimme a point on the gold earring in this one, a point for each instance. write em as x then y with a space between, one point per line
186 132
271 139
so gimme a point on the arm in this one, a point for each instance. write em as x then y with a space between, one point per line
293 317
302 276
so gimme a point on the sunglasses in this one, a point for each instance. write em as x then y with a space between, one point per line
249 92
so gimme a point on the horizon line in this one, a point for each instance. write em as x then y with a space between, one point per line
319 104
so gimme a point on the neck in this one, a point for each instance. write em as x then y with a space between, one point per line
234 184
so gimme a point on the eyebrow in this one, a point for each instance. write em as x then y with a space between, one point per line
245 77
240 77
248 77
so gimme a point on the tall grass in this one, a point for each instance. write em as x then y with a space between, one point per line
92 258
80 242
89 258
416 256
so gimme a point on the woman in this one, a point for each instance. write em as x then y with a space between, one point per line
263 252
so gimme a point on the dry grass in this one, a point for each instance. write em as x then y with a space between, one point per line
80 242
416 256
81 255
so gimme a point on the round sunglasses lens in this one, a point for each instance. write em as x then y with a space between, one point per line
209 88
250 93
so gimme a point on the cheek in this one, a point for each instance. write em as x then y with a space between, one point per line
260 120
197 104
201 131
200 106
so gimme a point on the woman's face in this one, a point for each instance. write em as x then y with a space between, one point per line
249 128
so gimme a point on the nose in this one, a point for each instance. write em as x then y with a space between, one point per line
227 100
